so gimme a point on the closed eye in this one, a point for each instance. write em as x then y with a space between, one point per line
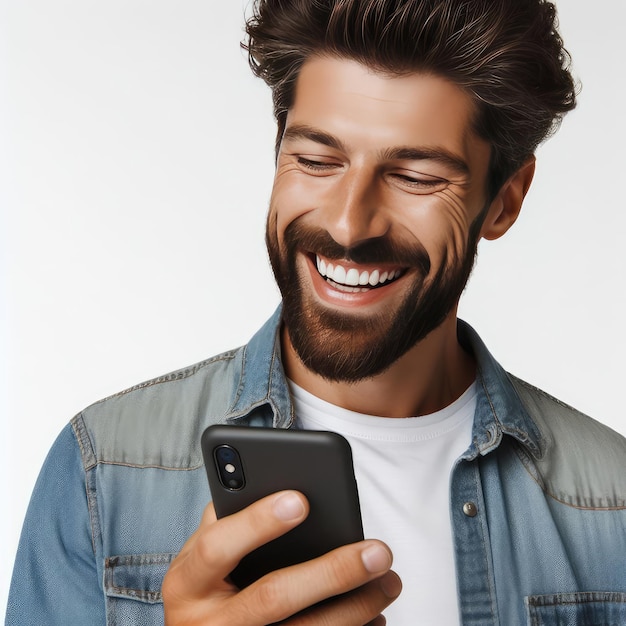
424 184
315 164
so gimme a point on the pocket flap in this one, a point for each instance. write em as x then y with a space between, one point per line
136 576
597 608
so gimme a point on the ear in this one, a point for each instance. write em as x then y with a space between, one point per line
506 206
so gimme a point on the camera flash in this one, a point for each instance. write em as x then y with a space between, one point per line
229 467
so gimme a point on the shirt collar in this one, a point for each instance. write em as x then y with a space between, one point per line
499 410
262 396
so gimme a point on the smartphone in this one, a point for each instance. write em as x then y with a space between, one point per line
244 464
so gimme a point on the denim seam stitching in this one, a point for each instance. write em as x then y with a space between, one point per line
89 463
541 484
84 442
151 466
112 563
544 394
174 376
486 548
577 597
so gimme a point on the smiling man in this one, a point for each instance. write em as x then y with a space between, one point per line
406 134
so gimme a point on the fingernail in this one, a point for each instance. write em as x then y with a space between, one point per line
391 585
288 507
376 559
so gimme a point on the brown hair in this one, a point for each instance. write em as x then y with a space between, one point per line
506 53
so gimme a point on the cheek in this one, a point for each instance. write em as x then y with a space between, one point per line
291 198
441 223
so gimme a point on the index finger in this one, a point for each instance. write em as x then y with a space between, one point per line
219 545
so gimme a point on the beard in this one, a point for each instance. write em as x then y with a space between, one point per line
348 347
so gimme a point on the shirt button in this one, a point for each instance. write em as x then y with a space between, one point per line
469 508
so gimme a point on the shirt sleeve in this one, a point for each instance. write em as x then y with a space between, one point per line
55 578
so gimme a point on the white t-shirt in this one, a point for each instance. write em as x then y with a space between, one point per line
402 468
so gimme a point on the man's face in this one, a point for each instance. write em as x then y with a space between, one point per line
375 213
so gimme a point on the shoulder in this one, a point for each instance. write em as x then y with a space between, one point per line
583 461
158 423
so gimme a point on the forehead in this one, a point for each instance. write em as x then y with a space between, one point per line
353 101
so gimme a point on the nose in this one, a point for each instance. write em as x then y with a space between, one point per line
354 211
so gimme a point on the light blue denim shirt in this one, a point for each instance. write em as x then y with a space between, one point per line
538 501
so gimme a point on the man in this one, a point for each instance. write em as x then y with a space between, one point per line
406 133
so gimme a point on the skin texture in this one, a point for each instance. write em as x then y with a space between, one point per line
196 592
366 157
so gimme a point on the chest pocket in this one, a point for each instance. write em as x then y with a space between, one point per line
577 609
132 585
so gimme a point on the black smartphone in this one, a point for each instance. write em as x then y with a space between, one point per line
244 464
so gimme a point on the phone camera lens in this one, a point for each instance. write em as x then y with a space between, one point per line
226 454
229 467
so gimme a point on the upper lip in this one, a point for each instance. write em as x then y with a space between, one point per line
345 273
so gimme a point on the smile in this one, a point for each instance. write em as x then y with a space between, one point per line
354 280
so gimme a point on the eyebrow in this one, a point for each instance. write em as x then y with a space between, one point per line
402 153
302 131
440 155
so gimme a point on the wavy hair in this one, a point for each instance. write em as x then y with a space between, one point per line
507 54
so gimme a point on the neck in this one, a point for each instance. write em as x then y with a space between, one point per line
429 377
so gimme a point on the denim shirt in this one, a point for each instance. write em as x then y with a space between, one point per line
537 502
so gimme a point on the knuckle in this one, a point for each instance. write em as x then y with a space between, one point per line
366 605
210 552
341 570
232 613
255 518
270 594
315 618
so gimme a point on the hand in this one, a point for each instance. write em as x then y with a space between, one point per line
196 592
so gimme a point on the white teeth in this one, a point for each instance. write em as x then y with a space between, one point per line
339 275
351 277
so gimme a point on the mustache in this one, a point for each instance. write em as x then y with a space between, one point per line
384 250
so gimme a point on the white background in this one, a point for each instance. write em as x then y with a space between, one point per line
136 159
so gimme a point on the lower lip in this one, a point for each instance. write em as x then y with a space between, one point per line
329 294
